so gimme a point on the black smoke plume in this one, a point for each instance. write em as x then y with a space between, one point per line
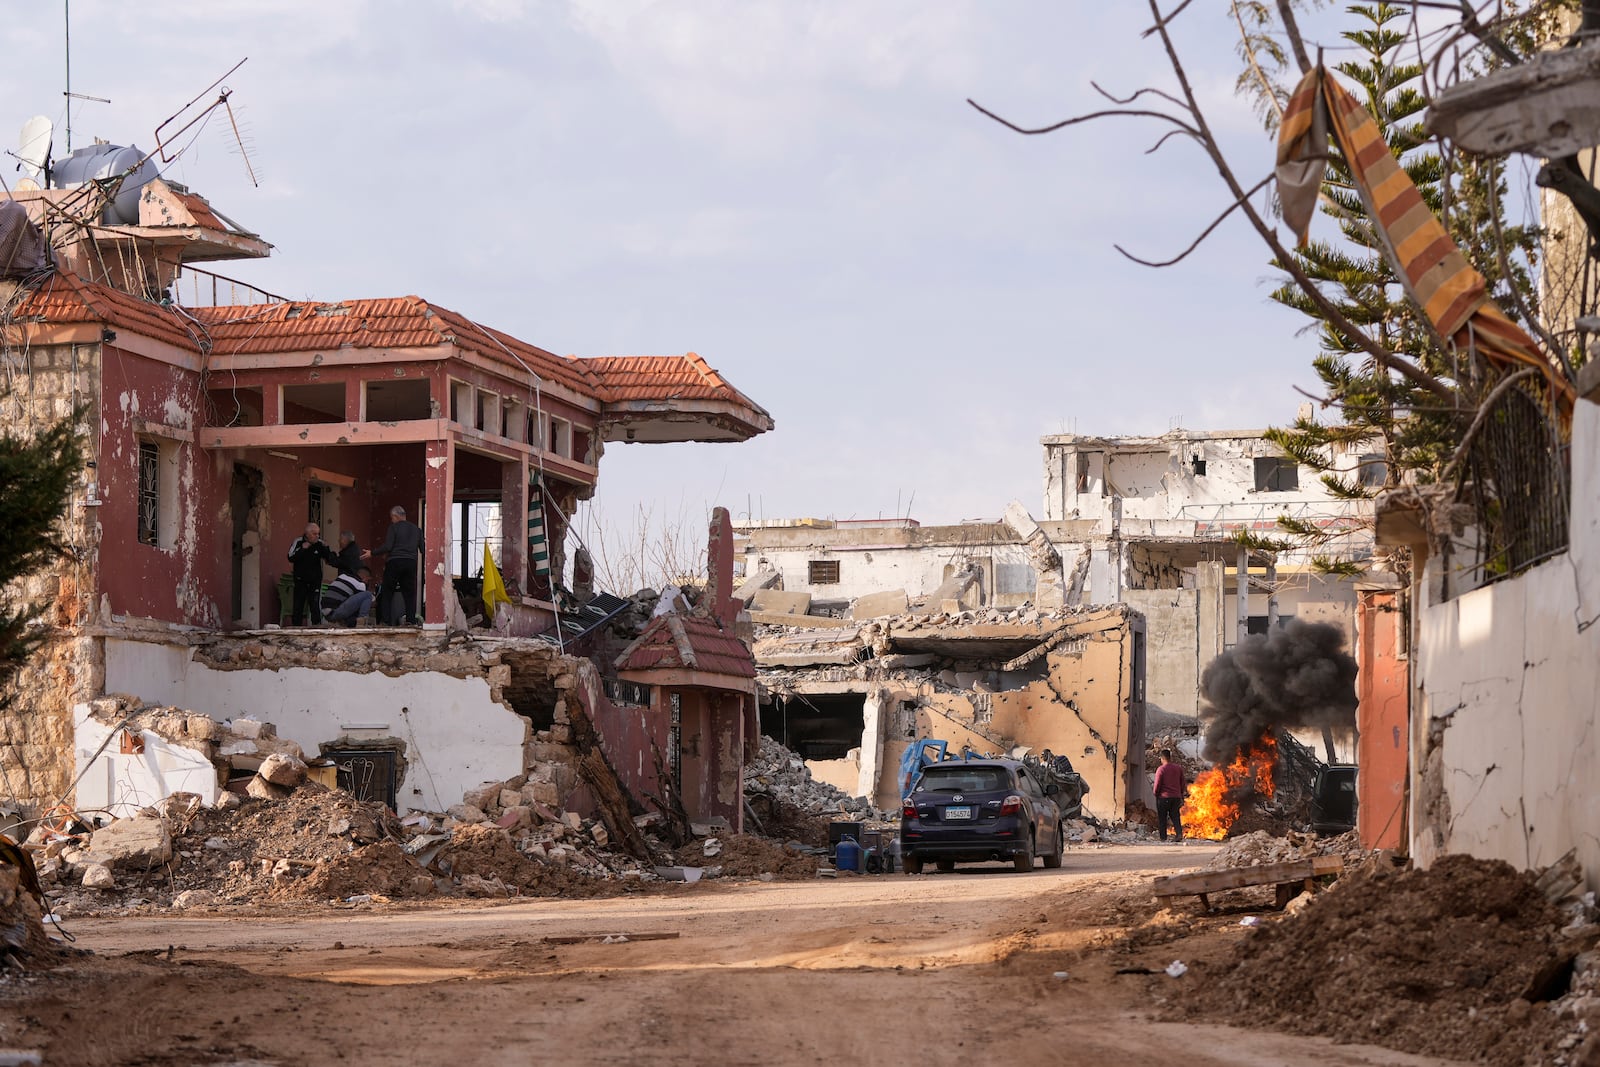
1297 676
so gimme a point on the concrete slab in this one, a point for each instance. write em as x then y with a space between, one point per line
877 605
780 602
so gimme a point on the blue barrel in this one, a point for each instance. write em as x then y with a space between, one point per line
847 855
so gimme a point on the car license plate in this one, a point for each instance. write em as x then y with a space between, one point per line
958 813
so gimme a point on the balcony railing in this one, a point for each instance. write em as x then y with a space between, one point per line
194 287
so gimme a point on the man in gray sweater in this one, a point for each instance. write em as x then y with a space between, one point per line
401 552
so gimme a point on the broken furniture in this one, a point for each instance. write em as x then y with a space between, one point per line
1290 877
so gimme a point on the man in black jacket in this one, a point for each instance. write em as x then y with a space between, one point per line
402 550
308 553
349 555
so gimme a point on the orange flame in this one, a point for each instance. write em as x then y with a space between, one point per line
1216 795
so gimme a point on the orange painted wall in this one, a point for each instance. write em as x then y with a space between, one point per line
1382 749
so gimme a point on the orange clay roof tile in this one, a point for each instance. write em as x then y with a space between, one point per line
715 650
395 322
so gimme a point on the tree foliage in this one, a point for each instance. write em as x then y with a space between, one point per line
1412 431
37 473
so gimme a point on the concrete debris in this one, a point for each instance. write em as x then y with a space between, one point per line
98 876
1261 847
783 776
282 769
140 842
194 898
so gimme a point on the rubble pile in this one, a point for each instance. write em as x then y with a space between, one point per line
22 935
1259 846
1468 960
749 856
783 784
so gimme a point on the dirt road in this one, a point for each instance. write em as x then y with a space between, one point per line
939 969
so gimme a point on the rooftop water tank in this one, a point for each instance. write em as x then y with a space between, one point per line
101 162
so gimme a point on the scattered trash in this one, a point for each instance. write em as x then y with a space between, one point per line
1177 969
711 847
679 874
617 940
1061 976
1250 920
359 898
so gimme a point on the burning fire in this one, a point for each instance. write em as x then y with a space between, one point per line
1215 797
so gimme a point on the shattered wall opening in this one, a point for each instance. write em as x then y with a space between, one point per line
819 726
531 689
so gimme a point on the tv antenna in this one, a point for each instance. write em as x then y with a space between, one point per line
66 9
194 117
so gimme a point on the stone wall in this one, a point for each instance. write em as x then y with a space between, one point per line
36 763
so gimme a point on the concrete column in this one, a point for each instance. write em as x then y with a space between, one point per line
874 716
439 478
1242 580
513 561
1272 593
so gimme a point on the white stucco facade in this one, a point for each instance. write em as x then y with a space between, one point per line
1506 709
451 735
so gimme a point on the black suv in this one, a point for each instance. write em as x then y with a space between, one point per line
973 811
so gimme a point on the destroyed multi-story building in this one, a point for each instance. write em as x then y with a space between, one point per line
214 432
1147 522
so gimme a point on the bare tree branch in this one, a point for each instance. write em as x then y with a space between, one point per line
1291 30
1231 208
1161 22
1153 149
1064 123
1120 102
1382 356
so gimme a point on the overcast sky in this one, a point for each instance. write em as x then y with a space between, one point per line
797 191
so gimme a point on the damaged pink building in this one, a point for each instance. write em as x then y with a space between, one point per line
215 432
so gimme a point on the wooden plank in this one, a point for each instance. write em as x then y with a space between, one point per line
579 939
1198 882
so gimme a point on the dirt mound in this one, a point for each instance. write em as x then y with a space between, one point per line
488 853
748 856
372 870
1453 961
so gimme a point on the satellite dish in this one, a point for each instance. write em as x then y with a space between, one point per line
33 147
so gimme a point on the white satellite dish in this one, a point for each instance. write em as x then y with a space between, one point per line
33 147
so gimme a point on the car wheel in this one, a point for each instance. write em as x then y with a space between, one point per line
1024 859
947 865
912 864
1053 860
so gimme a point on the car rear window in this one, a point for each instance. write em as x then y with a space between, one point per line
964 779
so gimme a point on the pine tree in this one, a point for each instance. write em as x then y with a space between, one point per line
36 475
1416 432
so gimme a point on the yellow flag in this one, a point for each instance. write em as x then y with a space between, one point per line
494 587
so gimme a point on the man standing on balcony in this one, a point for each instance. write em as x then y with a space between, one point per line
402 551
308 553
350 554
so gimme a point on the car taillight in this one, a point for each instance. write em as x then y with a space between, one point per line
1011 805
908 812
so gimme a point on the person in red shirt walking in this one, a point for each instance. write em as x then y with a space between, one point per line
1170 791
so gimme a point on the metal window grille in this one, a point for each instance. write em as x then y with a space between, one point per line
314 504
823 572
149 491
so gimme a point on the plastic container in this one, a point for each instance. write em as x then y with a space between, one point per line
847 855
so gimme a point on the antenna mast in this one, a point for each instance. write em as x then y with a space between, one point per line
66 8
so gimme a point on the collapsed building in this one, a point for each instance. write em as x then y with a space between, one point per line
854 699
214 432
1148 522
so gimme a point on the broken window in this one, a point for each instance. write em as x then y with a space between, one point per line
1081 483
1199 466
822 726
149 492
1373 471
314 503
1276 474
399 401
822 572
321 402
